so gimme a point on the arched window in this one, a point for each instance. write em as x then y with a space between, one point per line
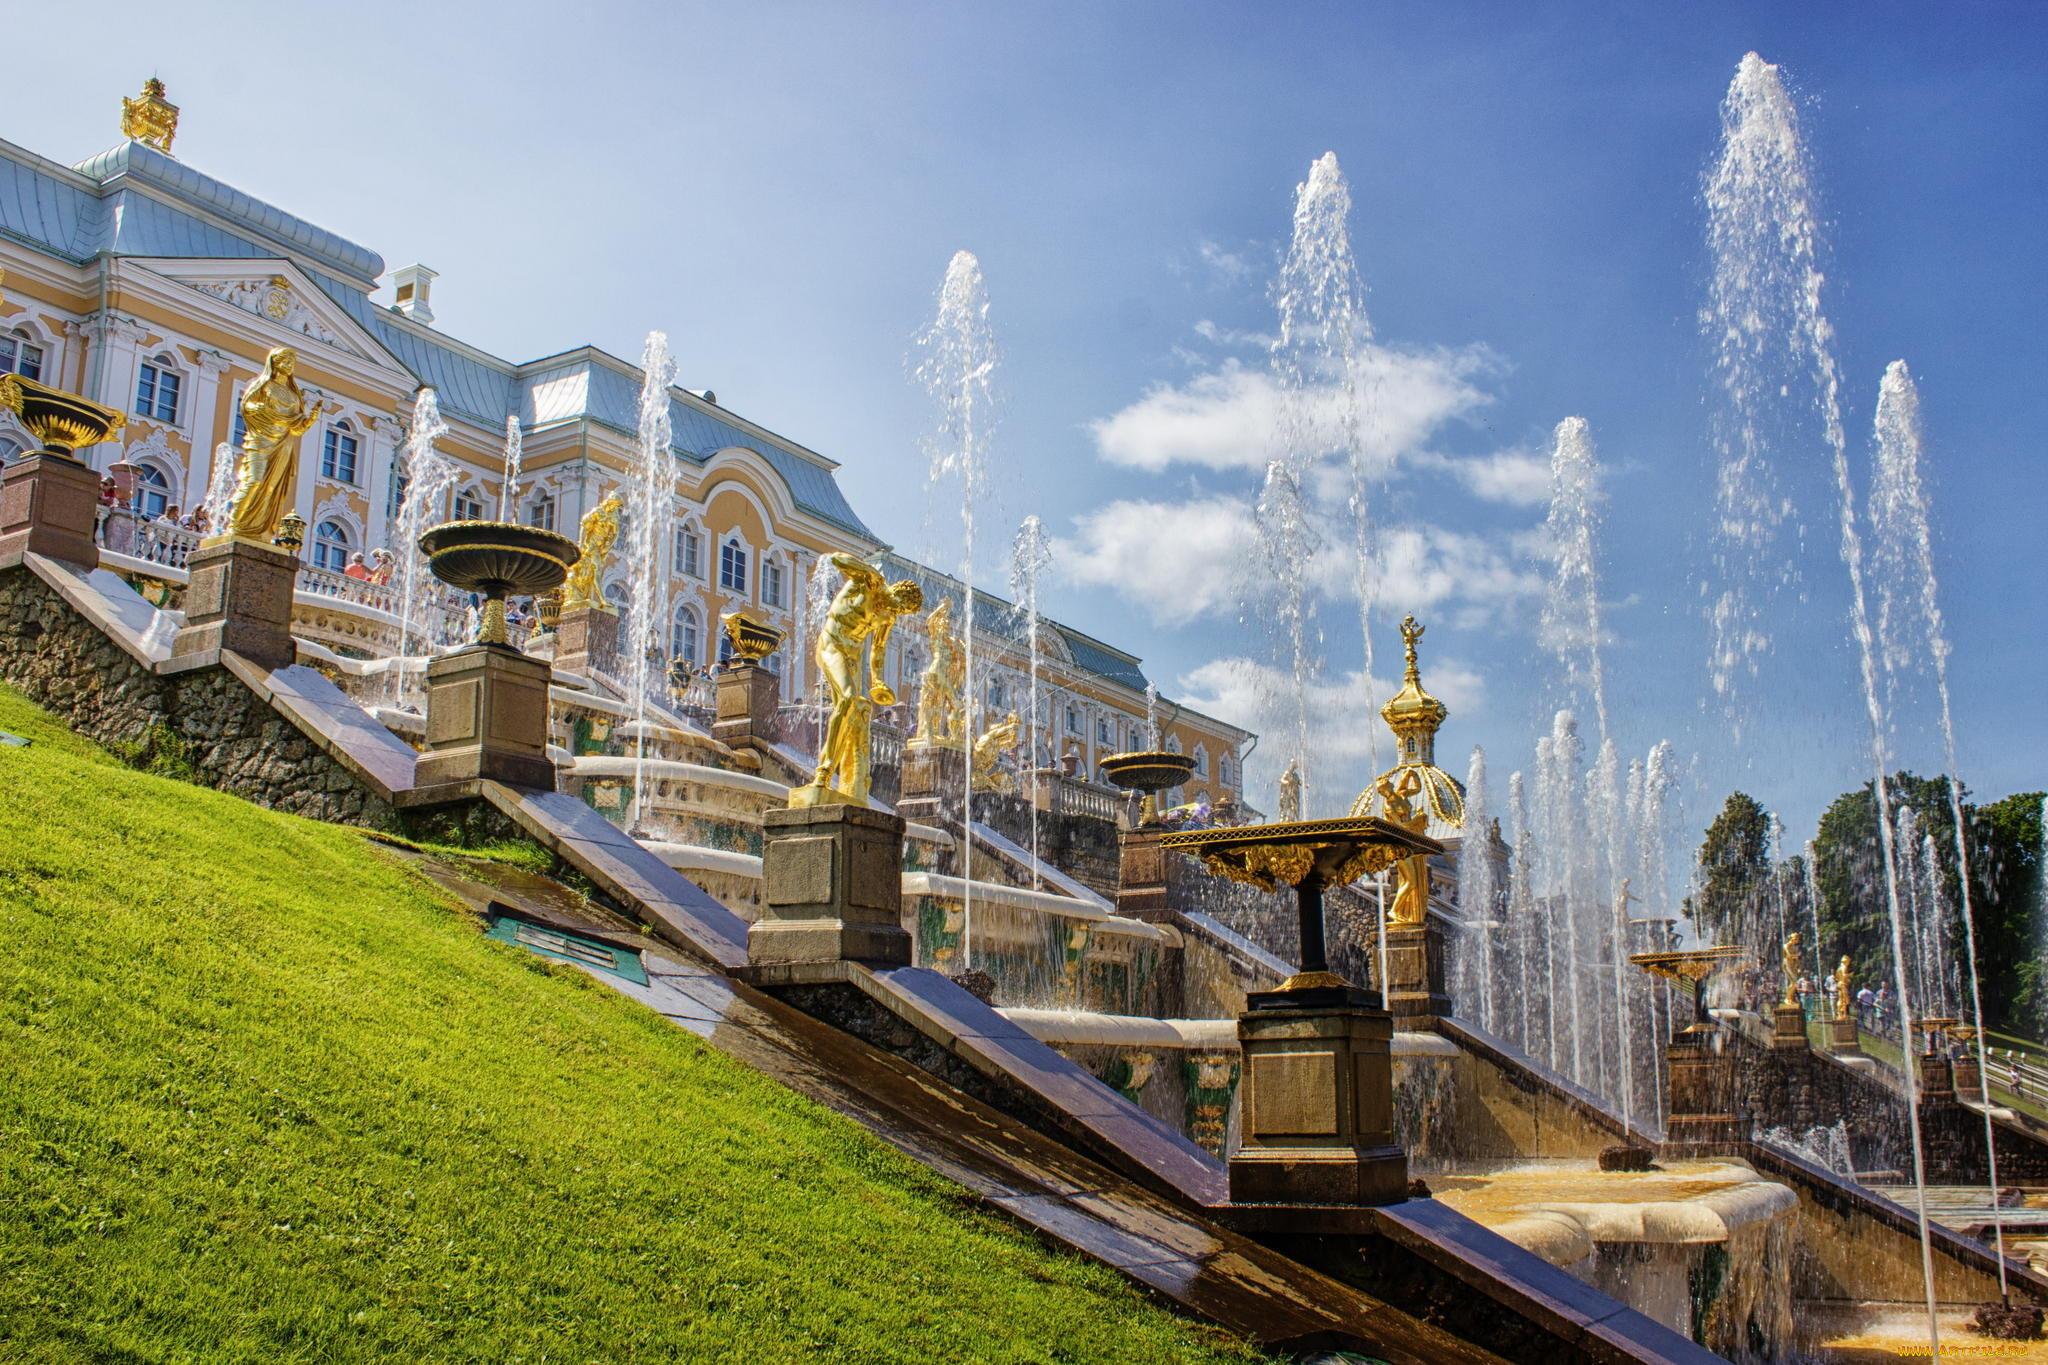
542 513
771 582
685 641
19 355
1073 719
469 505
338 453
689 552
10 448
158 389
1201 761
732 566
152 491
615 593
724 648
330 546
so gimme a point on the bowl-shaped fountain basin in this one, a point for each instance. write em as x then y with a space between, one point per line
498 558
1146 772
62 421
752 640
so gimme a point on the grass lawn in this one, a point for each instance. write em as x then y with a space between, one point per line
266 1096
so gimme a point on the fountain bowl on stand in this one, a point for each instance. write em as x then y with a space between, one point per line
63 422
498 559
1148 773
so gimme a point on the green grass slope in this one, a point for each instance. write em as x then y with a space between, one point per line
266 1096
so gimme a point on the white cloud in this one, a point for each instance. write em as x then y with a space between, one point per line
1517 477
1230 267
1482 576
1179 560
1222 420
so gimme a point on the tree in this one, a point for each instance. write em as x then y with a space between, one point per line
2005 876
1735 865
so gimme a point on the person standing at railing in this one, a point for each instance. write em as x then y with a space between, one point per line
356 569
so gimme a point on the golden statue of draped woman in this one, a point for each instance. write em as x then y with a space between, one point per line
1842 1000
275 413
850 651
995 741
1411 895
941 718
1788 961
599 533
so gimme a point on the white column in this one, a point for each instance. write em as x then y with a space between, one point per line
118 340
377 443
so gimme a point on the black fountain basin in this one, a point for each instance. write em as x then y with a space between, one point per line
1146 772
498 559
752 640
62 421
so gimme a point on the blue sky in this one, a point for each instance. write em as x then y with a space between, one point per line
780 187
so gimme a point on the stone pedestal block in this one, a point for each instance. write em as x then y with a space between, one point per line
831 889
934 780
1937 1076
1415 975
1141 875
1842 1036
1788 1028
587 640
487 718
748 698
1704 1120
48 504
1317 1096
1969 1079
239 598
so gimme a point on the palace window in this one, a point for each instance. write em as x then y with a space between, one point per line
771 582
338 454
542 513
997 694
330 546
685 642
1201 761
152 491
689 552
1103 731
1073 720
732 566
19 356
615 593
156 392
469 505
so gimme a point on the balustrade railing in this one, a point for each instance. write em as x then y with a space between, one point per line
166 543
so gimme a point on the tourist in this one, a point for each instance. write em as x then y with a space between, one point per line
356 568
381 564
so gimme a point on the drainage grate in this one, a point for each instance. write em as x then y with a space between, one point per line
560 943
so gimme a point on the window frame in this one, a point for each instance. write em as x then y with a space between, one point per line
160 372
686 635
337 545
20 341
732 566
332 453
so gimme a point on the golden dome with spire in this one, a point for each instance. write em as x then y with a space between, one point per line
1414 716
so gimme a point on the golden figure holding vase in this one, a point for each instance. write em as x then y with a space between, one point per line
598 534
850 651
275 413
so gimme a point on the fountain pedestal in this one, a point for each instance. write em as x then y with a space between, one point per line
1415 976
831 891
240 599
1842 1037
587 641
1318 1111
748 698
934 779
1788 1029
1704 1116
48 503
1141 875
487 719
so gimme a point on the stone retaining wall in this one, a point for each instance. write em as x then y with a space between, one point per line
206 719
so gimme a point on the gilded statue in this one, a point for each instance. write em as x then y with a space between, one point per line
1788 961
1411 895
995 741
1290 791
599 533
850 652
941 718
1842 999
275 413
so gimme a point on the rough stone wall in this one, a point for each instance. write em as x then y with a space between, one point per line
1079 845
207 719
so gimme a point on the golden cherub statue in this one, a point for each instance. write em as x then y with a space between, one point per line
995 741
851 649
1788 962
1842 1000
941 718
1290 791
599 533
275 413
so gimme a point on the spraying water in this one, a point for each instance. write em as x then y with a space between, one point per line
1765 316
651 523
426 477
957 368
1522 921
1288 540
1030 556
1478 892
220 487
514 443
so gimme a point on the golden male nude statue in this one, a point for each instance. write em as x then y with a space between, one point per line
851 649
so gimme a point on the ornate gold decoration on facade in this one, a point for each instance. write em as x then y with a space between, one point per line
275 413
149 118
62 421
752 640
941 716
997 740
1788 962
1842 1000
598 534
851 650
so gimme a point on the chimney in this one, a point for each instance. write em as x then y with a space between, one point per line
413 284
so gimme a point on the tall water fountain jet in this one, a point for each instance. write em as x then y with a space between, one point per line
1523 927
1571 608
1479 896
1288 540
956 366
1324 336
426 478
1030 556
1911 628
1766 318
651 523
220 484
508 491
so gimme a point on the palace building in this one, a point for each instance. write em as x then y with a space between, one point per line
148 286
